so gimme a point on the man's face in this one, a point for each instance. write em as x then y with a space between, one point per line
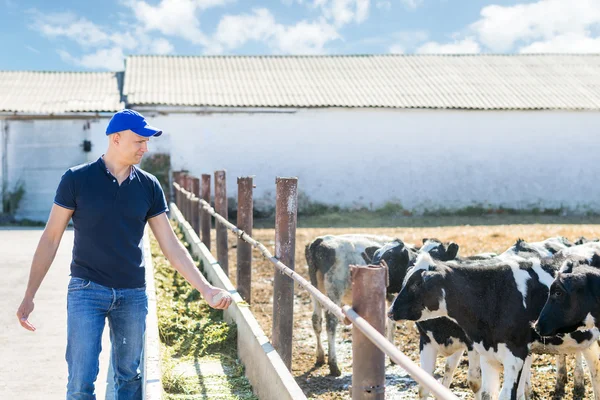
131 146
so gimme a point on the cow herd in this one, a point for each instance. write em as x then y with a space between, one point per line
541 297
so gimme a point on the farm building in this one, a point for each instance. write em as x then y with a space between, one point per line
428 132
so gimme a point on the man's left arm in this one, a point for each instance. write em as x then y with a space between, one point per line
181 260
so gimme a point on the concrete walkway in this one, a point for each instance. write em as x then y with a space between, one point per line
32 364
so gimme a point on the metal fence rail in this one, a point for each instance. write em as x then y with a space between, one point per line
346 314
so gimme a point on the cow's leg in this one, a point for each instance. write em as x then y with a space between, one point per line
317 322
390 330
451 364
490 379
591 355
513 369
578 377
331 325
474 373
524 391
561 376
428 355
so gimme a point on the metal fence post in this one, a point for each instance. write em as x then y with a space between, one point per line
285 249
176 192
188 187
369 285
195 212
221 208
195 209
244 249
205 217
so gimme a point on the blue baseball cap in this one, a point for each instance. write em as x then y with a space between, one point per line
132 120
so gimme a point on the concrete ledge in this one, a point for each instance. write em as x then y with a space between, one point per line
152 374
265 370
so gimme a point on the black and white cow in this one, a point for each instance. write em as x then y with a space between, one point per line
548 248
329 259
574 298
495 303
443 337
438 336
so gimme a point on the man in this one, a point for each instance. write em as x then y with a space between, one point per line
110 201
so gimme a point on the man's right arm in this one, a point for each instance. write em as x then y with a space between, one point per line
42 259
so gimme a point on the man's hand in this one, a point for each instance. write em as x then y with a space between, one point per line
218 298
23 312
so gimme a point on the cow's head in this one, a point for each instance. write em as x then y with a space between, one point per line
422 295
439 250
398 258
571 300
583 239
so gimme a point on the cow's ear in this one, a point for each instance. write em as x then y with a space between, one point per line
595 262
567 268
430 275
452 251
369 253
425 240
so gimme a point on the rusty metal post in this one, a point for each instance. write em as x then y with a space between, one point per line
369 285
195 209
175 179
188 187
221 209
182 183
285 250
244 249
195 212
204 216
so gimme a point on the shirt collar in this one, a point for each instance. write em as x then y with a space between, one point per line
102 165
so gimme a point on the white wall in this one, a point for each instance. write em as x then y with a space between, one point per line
422 159
39 152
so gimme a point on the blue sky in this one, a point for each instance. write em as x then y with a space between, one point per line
97 35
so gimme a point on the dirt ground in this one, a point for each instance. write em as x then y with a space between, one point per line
316 382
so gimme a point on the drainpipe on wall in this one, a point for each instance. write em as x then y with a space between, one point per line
4 134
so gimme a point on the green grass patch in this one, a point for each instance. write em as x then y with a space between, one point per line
199 349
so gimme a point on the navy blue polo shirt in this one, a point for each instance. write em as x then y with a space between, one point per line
109 221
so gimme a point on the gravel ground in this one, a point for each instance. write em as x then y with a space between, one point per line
316 382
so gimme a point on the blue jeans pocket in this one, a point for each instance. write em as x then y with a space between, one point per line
78 284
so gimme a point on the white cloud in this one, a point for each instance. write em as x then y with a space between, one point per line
170 17
32 49
567 43
102 48
68 25
397 49
343 12
161 46
502 27
235 30
304 37
110 59
383 5
412 4
402 42
465 46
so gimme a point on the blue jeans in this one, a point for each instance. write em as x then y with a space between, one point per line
88 306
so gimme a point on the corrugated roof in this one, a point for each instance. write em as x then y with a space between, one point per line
59 92
488 82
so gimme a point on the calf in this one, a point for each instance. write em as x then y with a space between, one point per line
438 336
574 298
441 336
477 298
329 259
